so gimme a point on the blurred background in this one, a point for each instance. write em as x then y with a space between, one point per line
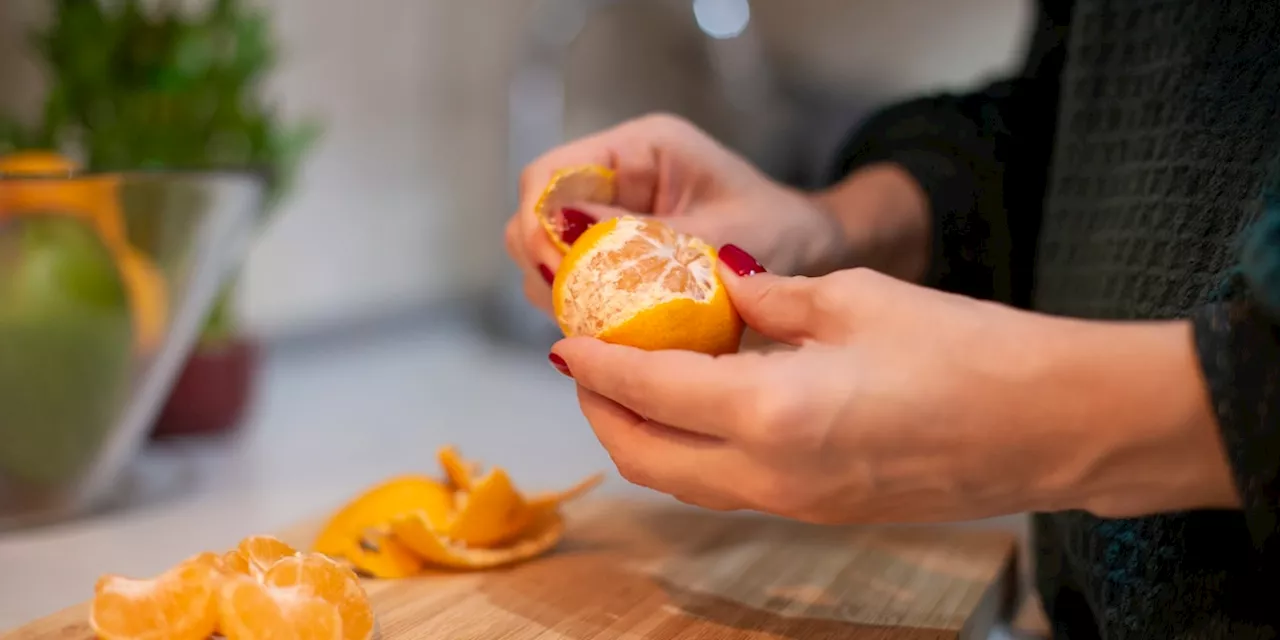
400 202
376 315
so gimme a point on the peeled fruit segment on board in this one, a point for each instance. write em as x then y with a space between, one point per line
263 589
180 604
316 575
583 184
250 610
637 282
260 553
464 520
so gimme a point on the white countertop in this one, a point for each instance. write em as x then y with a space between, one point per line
326 424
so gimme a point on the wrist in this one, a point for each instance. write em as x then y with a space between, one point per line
1133 424
882 216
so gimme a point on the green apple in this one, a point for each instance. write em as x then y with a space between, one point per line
65 348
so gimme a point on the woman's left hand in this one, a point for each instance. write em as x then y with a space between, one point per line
901 403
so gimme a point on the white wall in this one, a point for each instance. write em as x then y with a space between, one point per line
405 197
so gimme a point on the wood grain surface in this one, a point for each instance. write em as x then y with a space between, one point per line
647 570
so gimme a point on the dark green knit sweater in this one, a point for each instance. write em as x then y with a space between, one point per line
1130 171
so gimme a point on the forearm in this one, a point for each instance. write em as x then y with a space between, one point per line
882 215
1136 427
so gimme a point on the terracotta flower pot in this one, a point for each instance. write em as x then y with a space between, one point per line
213 392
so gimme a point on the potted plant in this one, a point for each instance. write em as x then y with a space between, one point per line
163 87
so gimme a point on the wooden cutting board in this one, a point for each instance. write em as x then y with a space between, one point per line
649 570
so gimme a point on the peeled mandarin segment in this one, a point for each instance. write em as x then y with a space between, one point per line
317 575
418 535
250 610
636 282
493 513
234 562
460 472
260 552
381 504
380 556
588 183
177 605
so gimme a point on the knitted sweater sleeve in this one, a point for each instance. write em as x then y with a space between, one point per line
1238 342
982 159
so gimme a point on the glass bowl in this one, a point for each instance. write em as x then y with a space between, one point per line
105 281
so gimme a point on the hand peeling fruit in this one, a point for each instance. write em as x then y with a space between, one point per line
634 280
466 520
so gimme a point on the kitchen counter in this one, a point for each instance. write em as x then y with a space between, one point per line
328 422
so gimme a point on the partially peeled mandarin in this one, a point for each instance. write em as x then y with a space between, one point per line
637 282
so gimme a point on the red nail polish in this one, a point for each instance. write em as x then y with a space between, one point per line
740 261
573 223
559 364
546 273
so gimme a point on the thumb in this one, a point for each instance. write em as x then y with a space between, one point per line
792 310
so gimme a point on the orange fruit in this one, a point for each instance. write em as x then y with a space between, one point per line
573 185
318 576
43 182
180 604
260 553
637 282
36 163
251 610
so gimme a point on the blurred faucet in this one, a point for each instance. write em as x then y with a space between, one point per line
536 112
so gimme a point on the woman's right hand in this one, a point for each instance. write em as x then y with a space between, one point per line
667 167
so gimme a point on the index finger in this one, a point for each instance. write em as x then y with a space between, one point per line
711 395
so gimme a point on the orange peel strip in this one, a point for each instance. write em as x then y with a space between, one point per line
590 183
381 504
418 535
492 513
378 555
460 472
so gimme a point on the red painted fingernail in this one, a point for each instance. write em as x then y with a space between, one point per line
559 364
546 273
573 223
740 261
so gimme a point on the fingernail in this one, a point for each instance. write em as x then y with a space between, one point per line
573 223
546 273
559 364
740 261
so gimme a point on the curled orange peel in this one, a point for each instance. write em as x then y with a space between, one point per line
436 549
591 183
466 519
